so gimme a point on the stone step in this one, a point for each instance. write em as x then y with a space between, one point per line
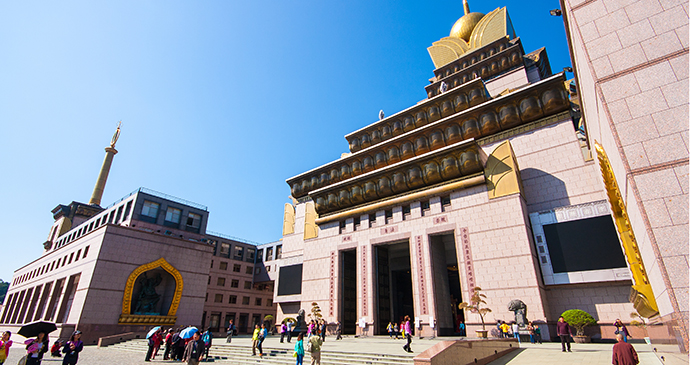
278 356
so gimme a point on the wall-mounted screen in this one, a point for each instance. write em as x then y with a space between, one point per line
290 280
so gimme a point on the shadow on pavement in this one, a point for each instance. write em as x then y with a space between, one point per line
506 358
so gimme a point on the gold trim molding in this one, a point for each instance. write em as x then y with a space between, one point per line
128 318
641 294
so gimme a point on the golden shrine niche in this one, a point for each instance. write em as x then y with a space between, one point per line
129 318
641 295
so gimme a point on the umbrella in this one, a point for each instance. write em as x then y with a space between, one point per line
188 332
153 330
34 328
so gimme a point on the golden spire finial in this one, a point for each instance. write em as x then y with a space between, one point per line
116 136
466 6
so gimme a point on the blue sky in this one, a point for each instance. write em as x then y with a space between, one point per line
220 101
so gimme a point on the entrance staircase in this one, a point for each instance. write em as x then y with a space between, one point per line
227 353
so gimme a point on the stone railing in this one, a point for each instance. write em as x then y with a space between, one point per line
114 339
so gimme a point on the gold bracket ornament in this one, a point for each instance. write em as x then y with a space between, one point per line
128 318
641 294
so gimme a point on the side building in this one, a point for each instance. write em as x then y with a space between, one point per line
145 260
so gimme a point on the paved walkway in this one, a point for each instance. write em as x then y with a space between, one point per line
547 353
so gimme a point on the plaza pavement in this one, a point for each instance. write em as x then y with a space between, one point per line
546 353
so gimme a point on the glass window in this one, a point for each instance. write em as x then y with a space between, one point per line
223 265
235 283
173 215
249 270
279 252
224 249
193 220
247 284
260 255
232 299
250 254
257 302
269 254
245 300
219 298
150 209
236 268
221 282
239 253
269 302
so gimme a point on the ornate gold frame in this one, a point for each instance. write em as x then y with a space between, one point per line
641 294
127 318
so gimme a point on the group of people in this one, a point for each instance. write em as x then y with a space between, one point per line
506 330
190 350
38 346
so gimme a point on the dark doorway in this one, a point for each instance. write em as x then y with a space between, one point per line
393 284
446 279
348 285
242 326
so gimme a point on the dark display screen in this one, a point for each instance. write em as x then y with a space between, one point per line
290 280
582 245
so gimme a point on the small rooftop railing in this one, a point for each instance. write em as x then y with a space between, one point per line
227 236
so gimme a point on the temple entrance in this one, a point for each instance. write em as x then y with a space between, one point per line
393 284
446 280
348 286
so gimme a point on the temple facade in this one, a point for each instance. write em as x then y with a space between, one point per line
491 182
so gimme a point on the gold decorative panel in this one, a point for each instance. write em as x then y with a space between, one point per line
502 172
127 317
310 228
641 294
289 219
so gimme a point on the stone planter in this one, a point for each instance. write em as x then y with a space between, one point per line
582 339
482 333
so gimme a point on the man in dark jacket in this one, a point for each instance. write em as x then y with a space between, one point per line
194 350
563 331
623 352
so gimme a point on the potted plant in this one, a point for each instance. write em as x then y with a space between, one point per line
475 306
579 319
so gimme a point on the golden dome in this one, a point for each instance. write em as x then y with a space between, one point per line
464 26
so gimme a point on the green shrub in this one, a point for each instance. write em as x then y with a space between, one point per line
579 319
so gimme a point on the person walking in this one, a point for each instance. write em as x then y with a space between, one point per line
255 339
537 332
390 330
262 336
315 350
157 340
396 331
35 348
563 331
231 329
72 349
5 344
623 352
299 349
498 327
338 331
620 328
516 331
283 331
504 329
207 337
407 329
194 350
152 344
530 329
181 345
289 331
323 330
168 344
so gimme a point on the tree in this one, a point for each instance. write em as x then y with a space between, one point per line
315 312
3 290
268 319
579 319
475 305
638 321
